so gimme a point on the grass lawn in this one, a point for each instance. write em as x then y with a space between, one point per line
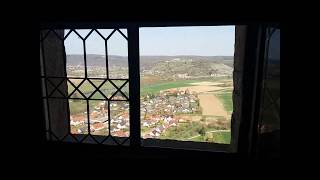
217 137
222 137
198 138
184 131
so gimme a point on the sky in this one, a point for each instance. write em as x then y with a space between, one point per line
196 40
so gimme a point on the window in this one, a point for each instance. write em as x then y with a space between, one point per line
93 90
269 116
92 84
270 113
186 83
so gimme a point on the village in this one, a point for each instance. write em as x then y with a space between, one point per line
119 124
158 113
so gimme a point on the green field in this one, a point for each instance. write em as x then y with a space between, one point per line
217 137
184 131
87 87
157 87
226 99
79 106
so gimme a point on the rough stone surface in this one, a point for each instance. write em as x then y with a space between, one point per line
54 66
237 80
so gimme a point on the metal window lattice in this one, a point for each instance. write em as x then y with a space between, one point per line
53 85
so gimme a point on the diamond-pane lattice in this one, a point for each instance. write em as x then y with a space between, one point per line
87 88
94 85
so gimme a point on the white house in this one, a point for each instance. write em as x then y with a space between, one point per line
168 119
121 125
115 130
76 123
146 124
186 110
160 129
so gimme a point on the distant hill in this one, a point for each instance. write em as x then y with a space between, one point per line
190 67
146 62
96 60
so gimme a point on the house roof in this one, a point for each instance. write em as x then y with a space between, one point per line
147 136
122 123
120 134
78 117
97 125
161 128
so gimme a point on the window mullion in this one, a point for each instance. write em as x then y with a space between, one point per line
134 88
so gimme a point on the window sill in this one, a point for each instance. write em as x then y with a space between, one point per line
157 143
186 145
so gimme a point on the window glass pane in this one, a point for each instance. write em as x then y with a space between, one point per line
78 116
99 117
270 114
102 92
74 54
118 55
96 59
119 115
186 83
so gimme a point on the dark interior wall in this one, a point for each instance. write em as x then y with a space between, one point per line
76 152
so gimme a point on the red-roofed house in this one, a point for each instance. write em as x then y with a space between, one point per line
97 126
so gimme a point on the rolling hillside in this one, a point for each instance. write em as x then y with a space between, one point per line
146 62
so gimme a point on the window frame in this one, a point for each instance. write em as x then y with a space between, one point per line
134 89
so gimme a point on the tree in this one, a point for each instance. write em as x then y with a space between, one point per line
151 95
202 119
145 114
214 72
202 131
209 138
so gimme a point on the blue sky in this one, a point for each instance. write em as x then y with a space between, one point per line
200 40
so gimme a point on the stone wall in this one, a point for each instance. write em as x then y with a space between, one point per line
53 63
237 81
